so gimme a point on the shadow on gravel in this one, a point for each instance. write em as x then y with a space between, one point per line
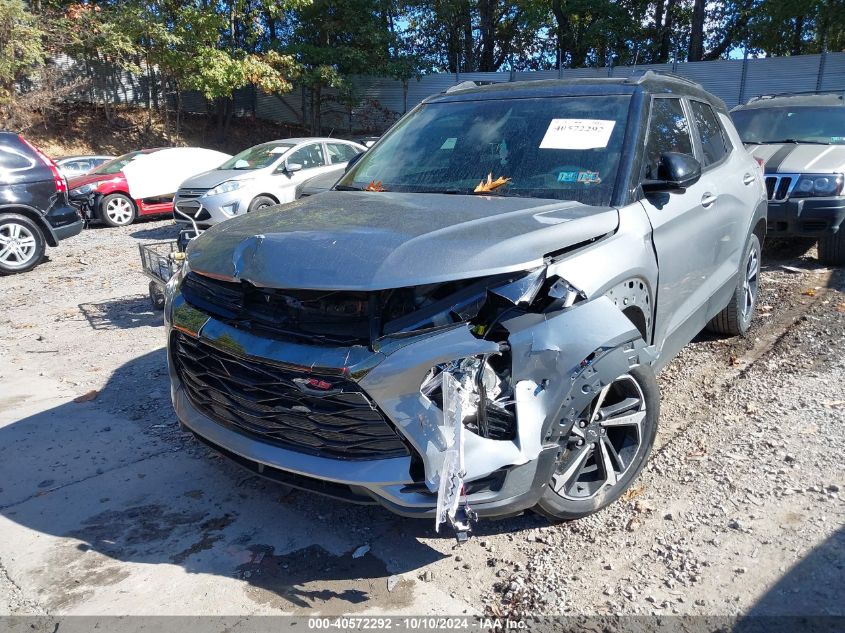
167 232
117 481
121 314
813 588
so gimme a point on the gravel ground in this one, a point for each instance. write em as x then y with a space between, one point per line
739 510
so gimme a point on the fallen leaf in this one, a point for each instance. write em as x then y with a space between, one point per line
840 307
375 185
633 492
810 292
87 397
490 184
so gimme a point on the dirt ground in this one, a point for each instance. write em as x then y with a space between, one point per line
107 508
84 129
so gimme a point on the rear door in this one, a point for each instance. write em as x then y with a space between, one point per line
683 231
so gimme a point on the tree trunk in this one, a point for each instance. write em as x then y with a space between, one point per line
657 29
469 43
666 33
798 36
487 22
178 111
562 31
696 38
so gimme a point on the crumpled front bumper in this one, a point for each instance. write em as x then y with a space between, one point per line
503 477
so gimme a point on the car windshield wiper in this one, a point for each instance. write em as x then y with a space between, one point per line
794 140
347 188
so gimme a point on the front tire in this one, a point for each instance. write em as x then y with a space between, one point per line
117 209
606 448
22 244
735 318
260 202
832 248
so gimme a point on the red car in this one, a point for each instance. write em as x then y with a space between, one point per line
106 193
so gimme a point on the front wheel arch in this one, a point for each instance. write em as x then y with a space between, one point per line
559 507
258 202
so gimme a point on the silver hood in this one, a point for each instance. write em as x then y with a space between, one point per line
213 177
800 158
374 241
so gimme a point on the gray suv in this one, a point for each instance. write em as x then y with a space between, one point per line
800 138
469 323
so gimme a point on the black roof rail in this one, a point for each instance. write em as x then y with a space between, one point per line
638 77
464 85
797 93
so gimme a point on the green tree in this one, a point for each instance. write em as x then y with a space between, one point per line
334 39
21 46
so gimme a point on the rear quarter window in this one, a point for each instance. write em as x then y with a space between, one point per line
14 161
714 142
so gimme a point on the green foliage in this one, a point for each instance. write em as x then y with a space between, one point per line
217 48
21 49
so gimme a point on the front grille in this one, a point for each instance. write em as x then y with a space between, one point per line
321 415
814 225
779 187
341 318
190 194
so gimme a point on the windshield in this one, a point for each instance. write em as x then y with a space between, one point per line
805 124
257 157
115 165
556 147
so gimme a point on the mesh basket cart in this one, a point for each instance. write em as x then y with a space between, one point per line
160 261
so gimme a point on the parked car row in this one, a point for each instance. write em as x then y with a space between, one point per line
43 201
469 321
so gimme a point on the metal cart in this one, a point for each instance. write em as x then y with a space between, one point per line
161 260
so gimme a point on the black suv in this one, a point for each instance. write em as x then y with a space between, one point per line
34 206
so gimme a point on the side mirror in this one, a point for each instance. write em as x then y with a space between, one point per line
352 161
292 167
675 172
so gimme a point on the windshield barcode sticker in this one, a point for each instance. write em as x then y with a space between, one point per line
577 134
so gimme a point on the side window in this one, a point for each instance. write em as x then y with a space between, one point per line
309 156
340 152
11 160
668 131
714 143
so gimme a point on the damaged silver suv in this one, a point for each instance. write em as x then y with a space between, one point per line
470 322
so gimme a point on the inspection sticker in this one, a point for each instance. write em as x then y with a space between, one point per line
577 134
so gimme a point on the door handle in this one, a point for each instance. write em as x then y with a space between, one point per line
748 179
708 199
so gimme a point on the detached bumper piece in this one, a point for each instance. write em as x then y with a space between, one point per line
326 416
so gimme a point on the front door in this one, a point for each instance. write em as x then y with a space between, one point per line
683 230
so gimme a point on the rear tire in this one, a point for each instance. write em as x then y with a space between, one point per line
604 453
832 248
156 296
22 244
117 209
260 202
735 318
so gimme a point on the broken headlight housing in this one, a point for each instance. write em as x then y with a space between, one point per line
480 302
489 409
